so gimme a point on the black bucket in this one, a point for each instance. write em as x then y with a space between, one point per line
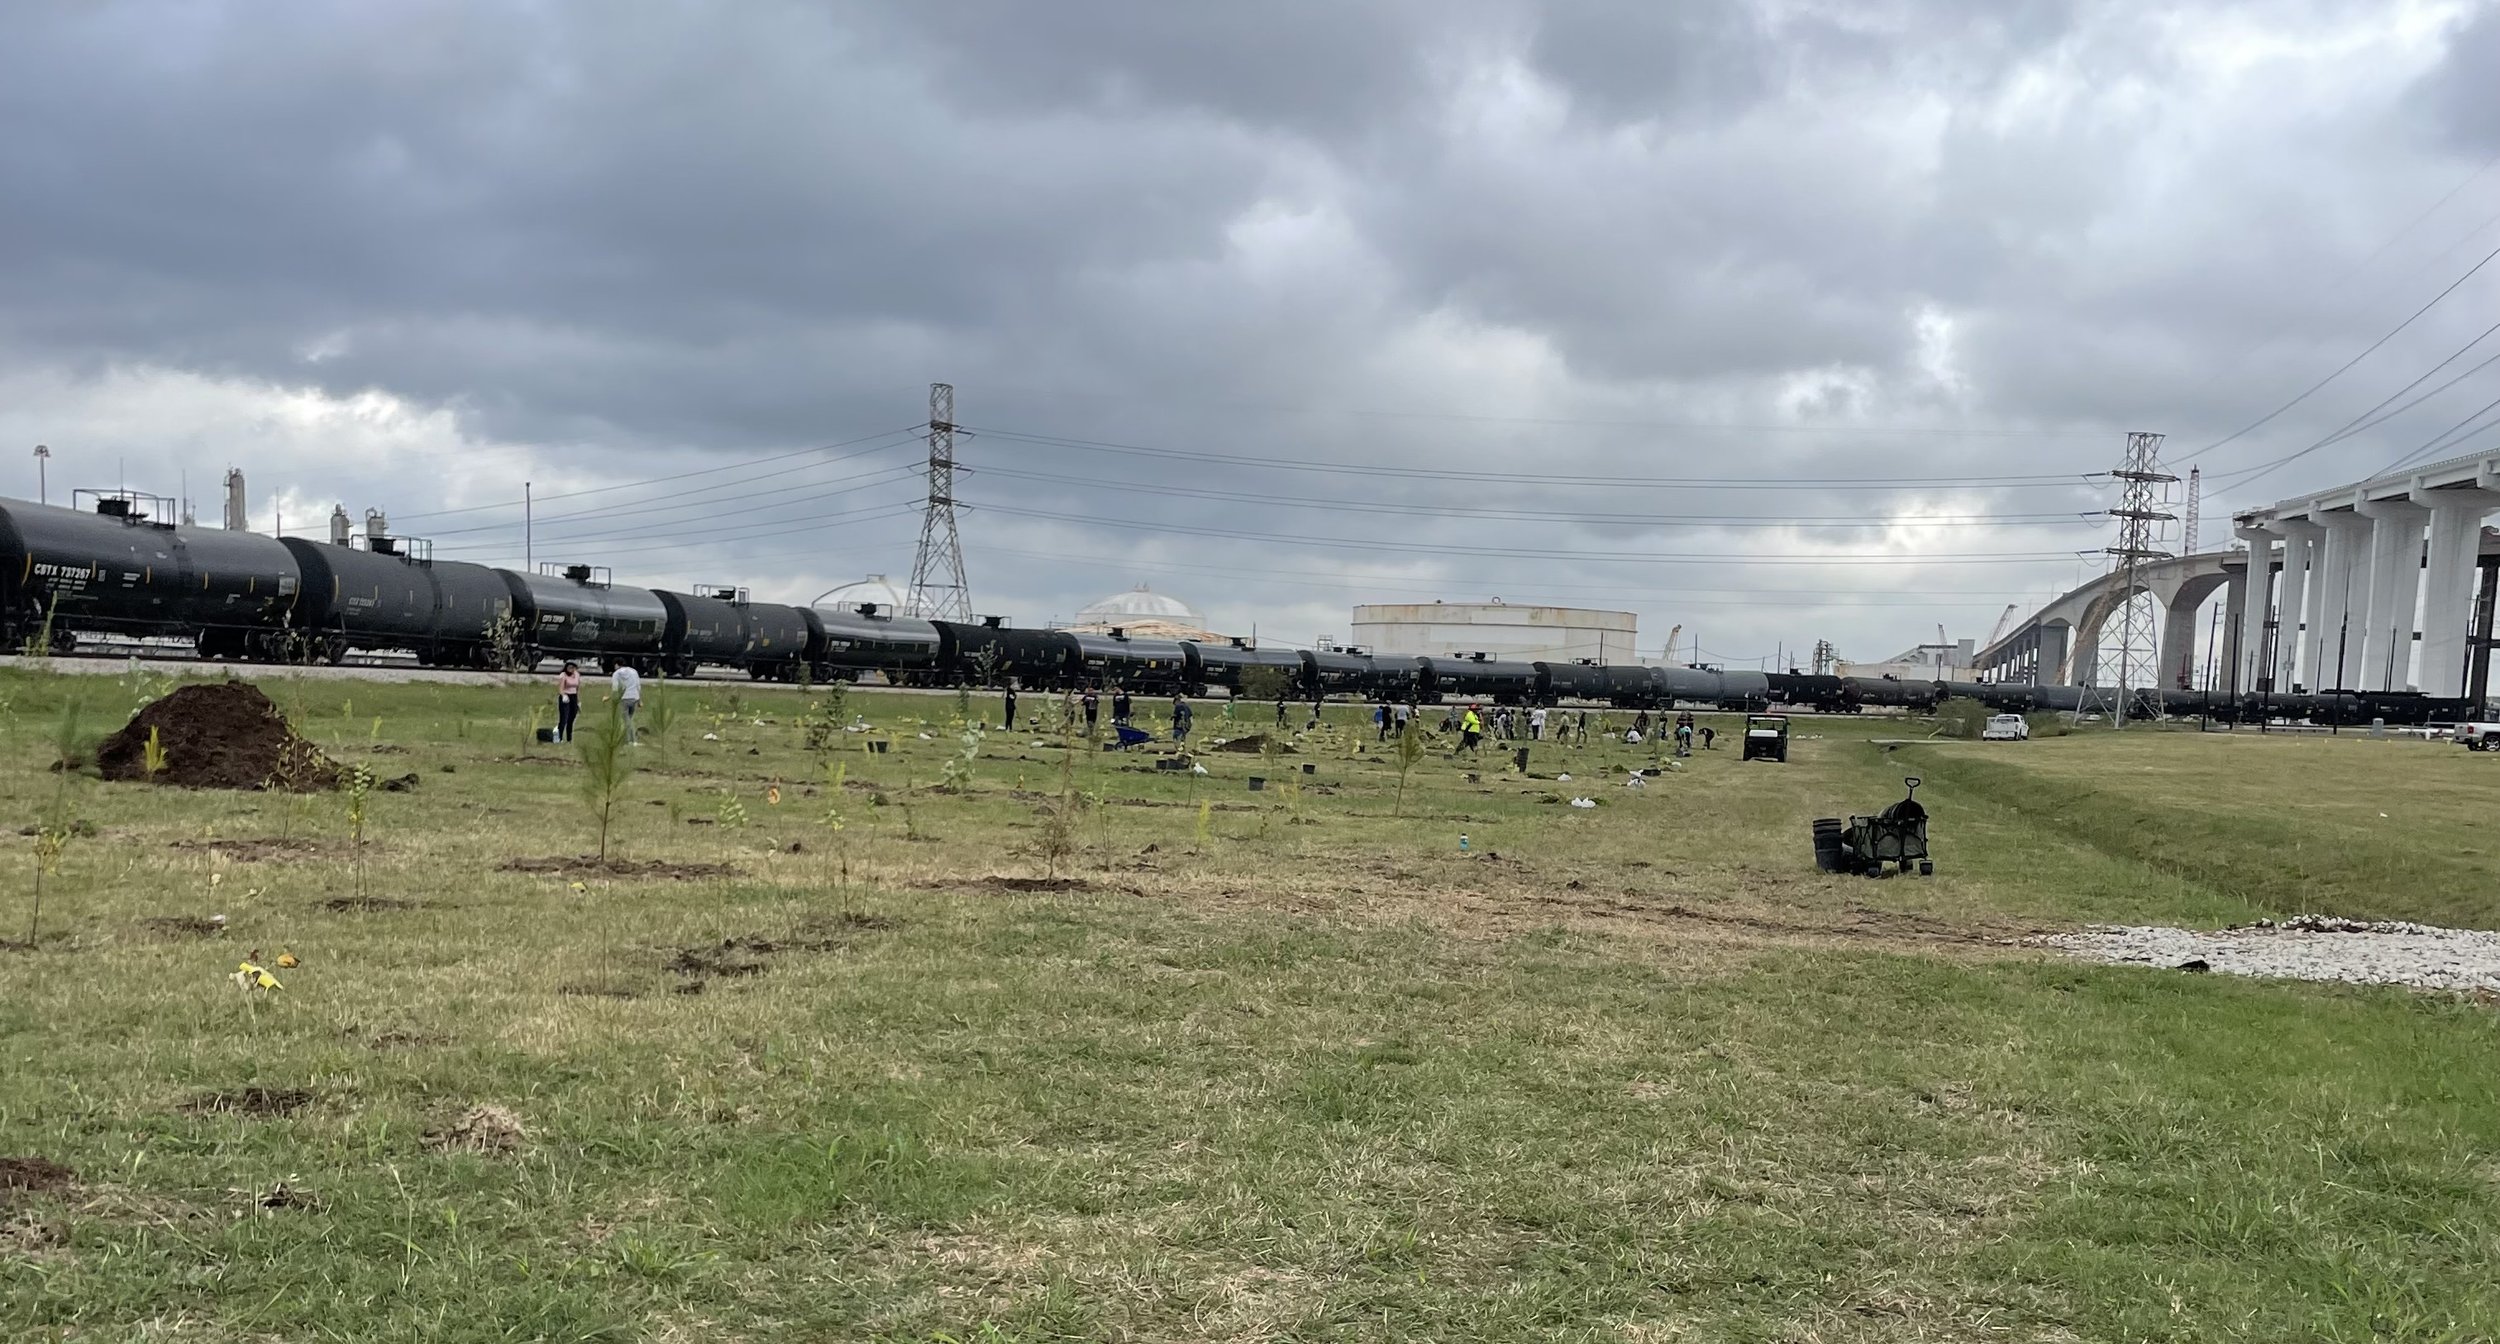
1827 853
1310 768
1258 784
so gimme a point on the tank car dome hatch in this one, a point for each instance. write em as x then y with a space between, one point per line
876 590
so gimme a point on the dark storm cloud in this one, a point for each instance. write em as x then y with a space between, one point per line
610 239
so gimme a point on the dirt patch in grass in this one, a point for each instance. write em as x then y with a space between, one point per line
1036 884
484 1128
226 735
28 1235
1255 744
367 905
255 1101
590 865
403 1040
35 1175
730 957
184 926
253 851
751 954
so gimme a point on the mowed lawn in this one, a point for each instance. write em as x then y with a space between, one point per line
1083 1050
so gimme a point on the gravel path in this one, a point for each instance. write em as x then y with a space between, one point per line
2306 947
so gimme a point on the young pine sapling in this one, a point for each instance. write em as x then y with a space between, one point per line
1410 751
52 834
606 766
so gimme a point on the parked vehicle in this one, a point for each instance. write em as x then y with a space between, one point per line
2006 728
1766 737
2478 736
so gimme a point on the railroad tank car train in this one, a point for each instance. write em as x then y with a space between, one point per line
117 567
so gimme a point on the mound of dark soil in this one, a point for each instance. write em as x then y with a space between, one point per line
589 865
41 1175
184 926
1257 743
222 736
366 905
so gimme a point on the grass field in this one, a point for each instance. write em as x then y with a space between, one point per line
1083 1050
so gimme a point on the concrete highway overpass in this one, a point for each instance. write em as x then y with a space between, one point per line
2384 584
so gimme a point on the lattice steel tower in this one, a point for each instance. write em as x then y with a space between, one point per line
2140 514
2195 509
938 590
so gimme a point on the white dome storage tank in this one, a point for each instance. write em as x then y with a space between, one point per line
876 589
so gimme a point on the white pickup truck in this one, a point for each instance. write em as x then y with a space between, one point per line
2478 736
2009 728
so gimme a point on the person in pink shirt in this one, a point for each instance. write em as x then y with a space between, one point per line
568 700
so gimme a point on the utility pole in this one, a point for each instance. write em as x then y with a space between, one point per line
43 486
938 590
529 532
2140 515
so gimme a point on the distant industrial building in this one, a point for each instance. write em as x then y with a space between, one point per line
1926 662
1502 629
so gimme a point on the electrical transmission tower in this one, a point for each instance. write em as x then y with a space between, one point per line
2140 514
2195 510
938 590
1824 656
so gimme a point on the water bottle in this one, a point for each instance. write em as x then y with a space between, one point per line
1462 842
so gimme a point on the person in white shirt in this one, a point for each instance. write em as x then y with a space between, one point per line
629 697
1536 724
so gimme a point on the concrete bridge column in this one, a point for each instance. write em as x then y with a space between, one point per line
2249 662
2343 602
2178 641
2234 620
2395 582
2448 585
2049 661
2303 550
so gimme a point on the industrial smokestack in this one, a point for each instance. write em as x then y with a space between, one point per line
340 528
236 519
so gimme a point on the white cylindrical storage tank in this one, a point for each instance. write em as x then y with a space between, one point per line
1499 629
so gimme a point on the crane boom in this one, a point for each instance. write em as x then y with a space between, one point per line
2011 609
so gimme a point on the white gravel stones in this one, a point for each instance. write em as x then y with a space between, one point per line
2306 947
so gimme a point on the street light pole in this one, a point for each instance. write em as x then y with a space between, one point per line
43 488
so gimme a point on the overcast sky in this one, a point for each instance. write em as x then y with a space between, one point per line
1877 281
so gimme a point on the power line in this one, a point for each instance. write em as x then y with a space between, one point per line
679 504
1599 557
894 511
679 476
746 523
1542 478
2370 419
2341 369
2446 438
1538 515
1351 580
